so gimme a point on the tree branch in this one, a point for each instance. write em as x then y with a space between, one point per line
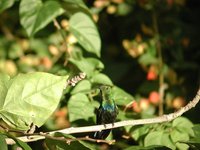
71 130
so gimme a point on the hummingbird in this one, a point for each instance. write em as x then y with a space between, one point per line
107 111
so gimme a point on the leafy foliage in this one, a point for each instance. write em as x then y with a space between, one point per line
142 45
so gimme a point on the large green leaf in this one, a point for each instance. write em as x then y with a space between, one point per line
84 29
35 15
31 98
4 4
80 107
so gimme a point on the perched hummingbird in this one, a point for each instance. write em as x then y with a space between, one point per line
107 111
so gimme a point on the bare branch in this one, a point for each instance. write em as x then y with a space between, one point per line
160 119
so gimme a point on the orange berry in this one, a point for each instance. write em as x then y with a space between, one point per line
46 62
136 107
152 72
154 97
151 75
178 102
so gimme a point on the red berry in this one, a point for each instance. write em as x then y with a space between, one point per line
151 75
154 97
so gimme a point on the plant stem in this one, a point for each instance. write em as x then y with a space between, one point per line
56 24
162 85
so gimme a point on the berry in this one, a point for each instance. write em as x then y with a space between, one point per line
154 97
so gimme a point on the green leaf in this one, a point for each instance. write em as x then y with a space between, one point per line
101 78
158 138
73 6
31 98
84 29
79 3
147 59
4 4
34 15
121 97
183 125
3 144
4 80
140 131
80 107
178 136
82 86
154 147
182 146
87 65
194 143
196 130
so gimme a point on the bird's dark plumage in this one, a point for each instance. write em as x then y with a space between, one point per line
107 111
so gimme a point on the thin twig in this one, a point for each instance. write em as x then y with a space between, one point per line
160 62
160 119
86 138
128 105
56 24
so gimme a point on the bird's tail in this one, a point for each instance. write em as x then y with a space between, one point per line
102 134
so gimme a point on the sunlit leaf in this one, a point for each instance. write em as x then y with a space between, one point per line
82 86
84 29
101 78
31 98
35 15
80 107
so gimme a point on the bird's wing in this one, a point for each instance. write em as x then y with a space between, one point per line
99 115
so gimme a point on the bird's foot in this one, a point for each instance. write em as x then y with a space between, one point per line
104 125
113 124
